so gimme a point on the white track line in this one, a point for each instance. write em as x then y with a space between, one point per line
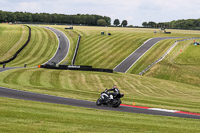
163 110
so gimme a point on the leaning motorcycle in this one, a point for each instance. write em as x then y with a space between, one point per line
105 99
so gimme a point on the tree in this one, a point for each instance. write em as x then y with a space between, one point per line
145 24
107 19
101 22
116 22
161 25
124 23
152 24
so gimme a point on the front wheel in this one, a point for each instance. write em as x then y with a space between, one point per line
98 102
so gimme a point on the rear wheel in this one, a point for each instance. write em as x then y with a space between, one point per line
98 102
116 103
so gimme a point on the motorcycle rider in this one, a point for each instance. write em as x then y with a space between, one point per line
114 92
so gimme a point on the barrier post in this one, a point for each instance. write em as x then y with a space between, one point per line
4 65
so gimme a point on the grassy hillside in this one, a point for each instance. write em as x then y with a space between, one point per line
41 48
27 116
108 51
180 66
12 37
143 91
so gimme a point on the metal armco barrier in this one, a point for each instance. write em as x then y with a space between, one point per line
18 51
76 50
81 68
165 54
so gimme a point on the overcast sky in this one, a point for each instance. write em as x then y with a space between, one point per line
134 11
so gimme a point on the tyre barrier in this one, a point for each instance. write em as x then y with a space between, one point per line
80 68
18 51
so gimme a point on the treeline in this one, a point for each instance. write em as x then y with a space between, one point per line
193 24
84 19
117 23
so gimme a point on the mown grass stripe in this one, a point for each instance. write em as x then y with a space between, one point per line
13 77
55 79
28 50
110 51
117 50
40 49
98 43
12 37
89 56
35 78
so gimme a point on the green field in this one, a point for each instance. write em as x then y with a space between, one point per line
35 117
180 66
12 37
41 48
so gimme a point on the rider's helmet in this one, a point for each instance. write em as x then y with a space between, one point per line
114 86
116 90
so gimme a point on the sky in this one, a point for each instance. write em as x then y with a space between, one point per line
134 11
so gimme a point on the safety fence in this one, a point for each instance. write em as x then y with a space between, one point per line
165 54
76 50
18 51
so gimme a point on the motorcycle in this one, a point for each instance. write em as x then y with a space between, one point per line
105 99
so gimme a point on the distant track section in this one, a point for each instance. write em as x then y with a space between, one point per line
165 54
63 47
127 63
18 51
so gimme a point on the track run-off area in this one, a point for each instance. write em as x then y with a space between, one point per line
124 66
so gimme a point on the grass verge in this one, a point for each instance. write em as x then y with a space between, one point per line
27 116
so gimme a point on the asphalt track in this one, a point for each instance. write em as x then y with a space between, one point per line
11 93
127 63
63 47
8 68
